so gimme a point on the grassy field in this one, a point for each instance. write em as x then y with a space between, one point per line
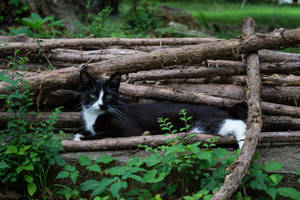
230 15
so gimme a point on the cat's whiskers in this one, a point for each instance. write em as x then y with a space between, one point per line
116 111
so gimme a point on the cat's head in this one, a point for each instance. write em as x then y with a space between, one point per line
100 95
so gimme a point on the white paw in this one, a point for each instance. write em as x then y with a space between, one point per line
78 137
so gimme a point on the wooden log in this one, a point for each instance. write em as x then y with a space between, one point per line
79 56
201 72
156 140
201 98
66 78
266 68
46 44
283 95
280 123
271 56
70 121
227 68
254 123
272 80
281 80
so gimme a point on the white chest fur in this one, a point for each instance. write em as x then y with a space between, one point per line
89 116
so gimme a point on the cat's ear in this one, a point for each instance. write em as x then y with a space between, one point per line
114 81
86 80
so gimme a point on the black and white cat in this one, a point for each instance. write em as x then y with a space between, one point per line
104 115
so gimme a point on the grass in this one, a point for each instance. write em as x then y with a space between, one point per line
231 14
228 16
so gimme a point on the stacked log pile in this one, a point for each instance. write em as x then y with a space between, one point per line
186 70
189 70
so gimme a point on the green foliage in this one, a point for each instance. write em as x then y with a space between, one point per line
166 125
99 26
35 26
31 147
142 19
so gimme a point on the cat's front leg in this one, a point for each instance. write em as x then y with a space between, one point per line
81 135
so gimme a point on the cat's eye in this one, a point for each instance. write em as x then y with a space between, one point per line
93 96
108 96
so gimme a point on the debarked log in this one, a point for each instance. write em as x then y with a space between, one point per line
156 140
69 77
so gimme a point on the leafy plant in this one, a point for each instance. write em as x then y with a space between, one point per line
98 24
35 26
192 171
142 19
260 179
29 148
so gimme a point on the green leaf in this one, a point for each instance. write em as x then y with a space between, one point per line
155 176
74 176
152 160
89 185
31 188
28 178
203 155
298 172
28 167
63 174
11 150
106 159
273 166
116 187
276 178
158 197
116 171
94 168
84 160
272 192
3 165
6 79
133 176
289 192
70 168
102 185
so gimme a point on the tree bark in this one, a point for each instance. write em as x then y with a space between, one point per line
280 123
278 57
65 78
223 68
201 72
240 168
96 43
69 122
79 56
283 95
156 140
281 80
266 68
201 98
